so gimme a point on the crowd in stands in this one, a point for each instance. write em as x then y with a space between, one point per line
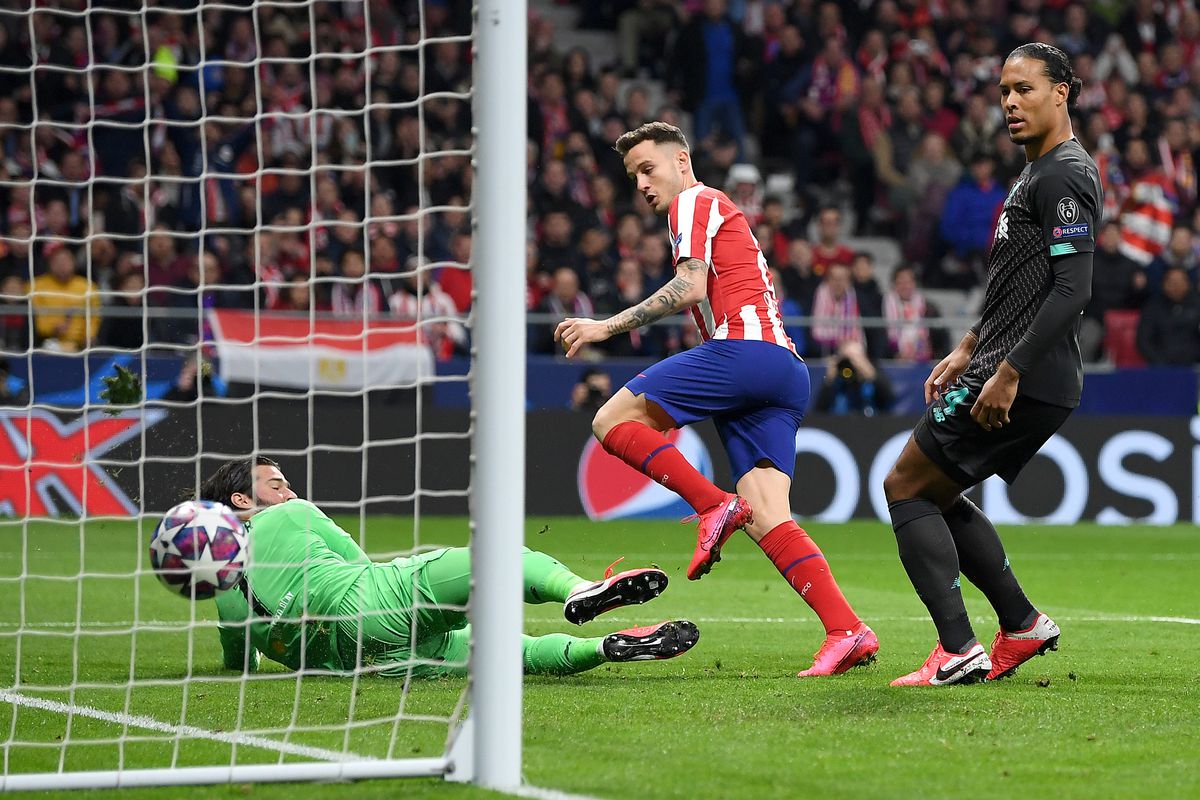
168 160
827 122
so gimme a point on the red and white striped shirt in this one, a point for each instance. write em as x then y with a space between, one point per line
703 223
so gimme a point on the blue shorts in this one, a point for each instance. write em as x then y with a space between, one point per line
756 393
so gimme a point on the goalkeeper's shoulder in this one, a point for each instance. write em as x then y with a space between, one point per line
295 510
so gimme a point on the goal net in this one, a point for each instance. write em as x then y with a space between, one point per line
244 230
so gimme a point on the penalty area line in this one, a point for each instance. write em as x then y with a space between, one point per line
184 731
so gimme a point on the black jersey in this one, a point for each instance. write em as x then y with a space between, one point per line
1051 214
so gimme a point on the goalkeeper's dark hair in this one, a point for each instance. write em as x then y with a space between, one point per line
1057 66
233 477
657 132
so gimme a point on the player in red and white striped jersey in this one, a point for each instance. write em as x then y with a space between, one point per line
739 300
746 376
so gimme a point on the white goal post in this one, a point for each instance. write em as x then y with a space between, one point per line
76 584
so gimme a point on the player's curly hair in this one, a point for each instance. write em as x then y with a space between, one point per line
232 477
1058 66
657 132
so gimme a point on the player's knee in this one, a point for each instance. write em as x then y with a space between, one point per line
602 423
897 485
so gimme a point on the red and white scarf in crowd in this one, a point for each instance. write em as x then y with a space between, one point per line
838 318
909 340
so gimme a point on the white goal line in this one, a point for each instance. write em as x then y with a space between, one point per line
807 620
184 731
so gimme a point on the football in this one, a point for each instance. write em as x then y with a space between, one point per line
199 548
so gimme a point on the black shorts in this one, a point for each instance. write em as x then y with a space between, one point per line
969 454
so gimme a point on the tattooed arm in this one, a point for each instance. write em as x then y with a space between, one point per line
687 288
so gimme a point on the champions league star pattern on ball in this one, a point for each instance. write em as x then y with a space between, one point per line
198 549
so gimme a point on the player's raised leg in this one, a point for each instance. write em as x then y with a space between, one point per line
630 426
683 389
917 491
445 580
848 641
633 586
561 654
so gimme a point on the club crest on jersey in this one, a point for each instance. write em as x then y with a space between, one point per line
1070 231
1068 210
1002 227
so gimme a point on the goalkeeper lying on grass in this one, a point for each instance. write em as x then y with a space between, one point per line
312 599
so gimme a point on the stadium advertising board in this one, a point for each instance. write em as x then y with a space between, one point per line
51 466
1108 469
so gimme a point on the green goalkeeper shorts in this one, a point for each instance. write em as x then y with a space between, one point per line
395 622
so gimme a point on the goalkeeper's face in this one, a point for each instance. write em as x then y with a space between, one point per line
660 171
270 489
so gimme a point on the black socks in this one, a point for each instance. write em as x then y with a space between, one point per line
928 552
982 559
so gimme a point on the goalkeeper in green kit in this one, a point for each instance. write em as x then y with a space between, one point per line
311 599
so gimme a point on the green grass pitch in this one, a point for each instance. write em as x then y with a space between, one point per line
1114 713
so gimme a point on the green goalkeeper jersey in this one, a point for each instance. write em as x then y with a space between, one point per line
305 572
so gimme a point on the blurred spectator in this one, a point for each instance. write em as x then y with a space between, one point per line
455 277
966 230
356 293
870 301
632 289
593 389
1178 159
1169 330
420 298
164 265
744 187
297 297
597 268
977 129
14 325
1148 208
905 307
836 312
202 288
1180 253
564 300
558 241
713 63
15 251
853 384
799 281
121 331
65 305
921 198
645 24
829 248
655 258
1117 282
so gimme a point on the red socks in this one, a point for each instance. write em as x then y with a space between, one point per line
802 564
649 452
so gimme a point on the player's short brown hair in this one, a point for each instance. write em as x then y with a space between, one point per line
657 132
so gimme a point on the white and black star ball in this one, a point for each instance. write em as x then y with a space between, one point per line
198 549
